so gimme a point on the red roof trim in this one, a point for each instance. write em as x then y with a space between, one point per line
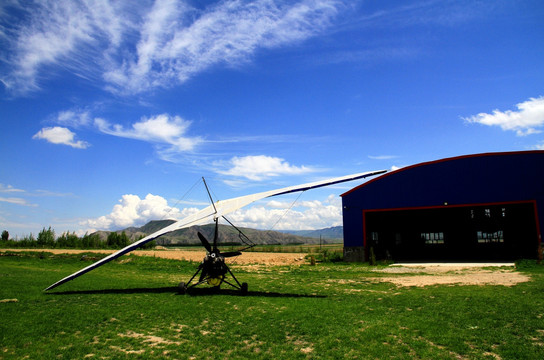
442 160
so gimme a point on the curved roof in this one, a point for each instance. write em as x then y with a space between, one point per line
511 176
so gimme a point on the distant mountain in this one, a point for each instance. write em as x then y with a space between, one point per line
150 227
227 235
332 233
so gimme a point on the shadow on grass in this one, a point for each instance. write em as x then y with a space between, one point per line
191 292
231 292
157 290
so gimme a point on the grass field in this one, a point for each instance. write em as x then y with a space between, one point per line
130 309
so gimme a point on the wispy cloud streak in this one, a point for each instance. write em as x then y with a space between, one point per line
163 43
229 33
54 35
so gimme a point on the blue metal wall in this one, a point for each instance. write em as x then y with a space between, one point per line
472 179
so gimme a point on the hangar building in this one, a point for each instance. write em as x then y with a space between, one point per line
480 207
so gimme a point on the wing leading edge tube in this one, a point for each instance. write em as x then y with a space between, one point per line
219 208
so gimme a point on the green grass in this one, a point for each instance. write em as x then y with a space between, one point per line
130 309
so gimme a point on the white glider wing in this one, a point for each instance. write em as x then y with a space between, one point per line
218 209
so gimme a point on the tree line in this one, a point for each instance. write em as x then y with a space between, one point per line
46 240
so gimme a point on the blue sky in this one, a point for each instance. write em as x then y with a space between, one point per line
111 112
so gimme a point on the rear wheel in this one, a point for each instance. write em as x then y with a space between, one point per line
182 288
243 289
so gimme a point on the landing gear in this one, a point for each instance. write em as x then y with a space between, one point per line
182 288
243 289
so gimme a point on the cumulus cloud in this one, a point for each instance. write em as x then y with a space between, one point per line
261 167
274 215
134 211
526 120
161 129
61 136
304 215
157 44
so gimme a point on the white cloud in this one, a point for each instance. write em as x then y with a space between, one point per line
17 201
134 211
382 157
275 204
525 121
73 118
61 136
48 193
278 215
9 189
64 32
424 13
177 42
161 129
261 167
156 44
275 215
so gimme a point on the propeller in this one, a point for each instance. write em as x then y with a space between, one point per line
205 242
231 253
215 236
215 250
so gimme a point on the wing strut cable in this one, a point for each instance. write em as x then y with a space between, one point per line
180 200
287 210
210 195
243 237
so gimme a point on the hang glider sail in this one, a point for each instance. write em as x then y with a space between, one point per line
216 210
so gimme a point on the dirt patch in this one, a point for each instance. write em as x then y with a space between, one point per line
9 301
197 255
458 274
150 339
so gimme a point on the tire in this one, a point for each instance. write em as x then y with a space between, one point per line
182 288
243 289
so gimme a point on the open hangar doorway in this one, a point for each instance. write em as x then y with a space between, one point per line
474 232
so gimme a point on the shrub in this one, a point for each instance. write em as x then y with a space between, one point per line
46 238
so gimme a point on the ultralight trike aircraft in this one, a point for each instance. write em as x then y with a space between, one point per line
213 270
